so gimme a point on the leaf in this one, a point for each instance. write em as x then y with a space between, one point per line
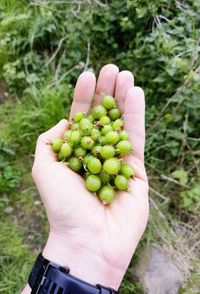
181 175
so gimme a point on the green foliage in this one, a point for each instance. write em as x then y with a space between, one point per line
189 199
44 45
15 259
9 174
40 110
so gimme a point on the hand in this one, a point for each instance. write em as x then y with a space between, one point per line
95 241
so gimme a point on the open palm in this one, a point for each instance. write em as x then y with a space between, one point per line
95 241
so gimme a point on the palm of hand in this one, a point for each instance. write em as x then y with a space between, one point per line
107 231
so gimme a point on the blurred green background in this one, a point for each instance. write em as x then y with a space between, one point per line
44 46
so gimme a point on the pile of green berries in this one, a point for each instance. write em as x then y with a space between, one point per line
94 146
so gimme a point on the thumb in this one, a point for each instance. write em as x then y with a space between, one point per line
43 152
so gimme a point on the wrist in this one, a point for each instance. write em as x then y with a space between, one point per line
83 263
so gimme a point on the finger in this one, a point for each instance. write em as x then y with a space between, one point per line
106 82
134 120
124 81
83 93
43 152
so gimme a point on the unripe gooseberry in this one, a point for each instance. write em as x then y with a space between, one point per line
106 129
98 111
121 182
106 194
75 137
87 142
93 183
117 124
108 102
112 166
127 170
66 150
94 166
78 116
104 120
75 164
107 151
114 113
124 147
56 144
112 137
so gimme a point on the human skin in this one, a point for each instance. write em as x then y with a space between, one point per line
95 241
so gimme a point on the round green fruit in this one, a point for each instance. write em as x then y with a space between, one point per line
75 164
98 111
93 183
107 151
112 166
127 170
67 135
124 147
104 120
79 151
106 194
94 166
66 150
106 129
108 102
78 116
123 135
117 124
75 137
56 144
114 113
112 137
87 142
121 182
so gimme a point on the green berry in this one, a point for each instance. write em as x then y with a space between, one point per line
78 116
106 194
123 135
94 166
114 113
98 111
112 137
75 137
127 170
90 117
105 177
85 126
112 166
56 144
87 158
67 135
93 183
66 150
96 150
108 102
87 142
60 156
124 147
95 134
104 120
79 152
117 124
75 127
107 151
106 129
121 182
102 140
75 164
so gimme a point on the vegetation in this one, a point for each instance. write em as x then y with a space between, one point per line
44 46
